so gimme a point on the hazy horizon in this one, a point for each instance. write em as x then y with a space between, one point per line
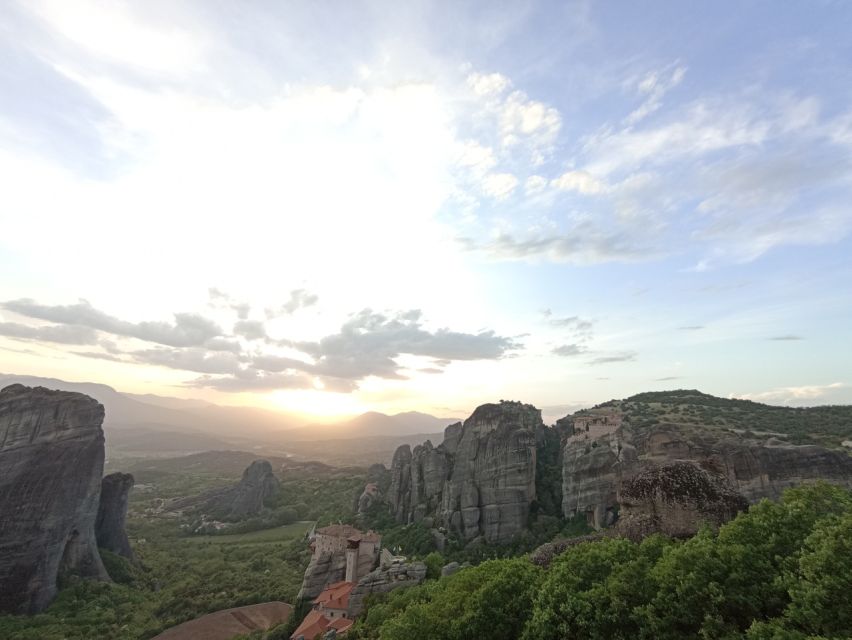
330 209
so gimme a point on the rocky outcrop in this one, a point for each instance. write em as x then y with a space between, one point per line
479 482
597 463
592 471
112 514
383 580
676 499
241 501
544 554
323 569
369 496
399 494
51 462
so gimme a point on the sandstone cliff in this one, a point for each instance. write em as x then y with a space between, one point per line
675 499
51 462
597 462
480 481
323 569
112 514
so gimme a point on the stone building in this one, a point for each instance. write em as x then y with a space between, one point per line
330 611
361 549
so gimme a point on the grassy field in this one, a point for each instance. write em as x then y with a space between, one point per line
278 534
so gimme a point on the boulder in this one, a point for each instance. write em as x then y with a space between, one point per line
676 499
383 580
450 568
112 514
51 463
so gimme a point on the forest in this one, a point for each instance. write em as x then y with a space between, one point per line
781 571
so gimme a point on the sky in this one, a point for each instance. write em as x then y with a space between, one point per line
330 207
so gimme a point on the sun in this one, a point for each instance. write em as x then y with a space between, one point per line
321 405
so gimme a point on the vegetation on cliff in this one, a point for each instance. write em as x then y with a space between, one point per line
780 570
827 426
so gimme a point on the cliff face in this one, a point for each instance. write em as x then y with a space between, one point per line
112 514
51 462
675 499
596 463
322 570
480 481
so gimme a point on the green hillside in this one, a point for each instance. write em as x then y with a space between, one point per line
827 425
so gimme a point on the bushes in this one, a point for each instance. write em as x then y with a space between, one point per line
781 571
491 600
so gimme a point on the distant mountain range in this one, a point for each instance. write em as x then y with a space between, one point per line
138 424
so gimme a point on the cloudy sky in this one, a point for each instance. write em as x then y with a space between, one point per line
329 207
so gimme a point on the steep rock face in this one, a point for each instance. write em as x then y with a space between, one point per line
592 471
597 463
675 499
112 514
399 494
323 569
51 462
383 580
480 481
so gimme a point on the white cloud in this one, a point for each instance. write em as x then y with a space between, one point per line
580 181
530 121
801 395
488 84
535 184
654 86
477 157
115 32
499 185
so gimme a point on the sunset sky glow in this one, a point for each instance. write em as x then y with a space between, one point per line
334 207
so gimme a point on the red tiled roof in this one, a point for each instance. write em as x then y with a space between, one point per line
341 625
312 626
335 596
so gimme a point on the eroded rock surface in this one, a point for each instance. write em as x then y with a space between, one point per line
323 569
596 463
112 514
676 499
383 580
479 482
51 462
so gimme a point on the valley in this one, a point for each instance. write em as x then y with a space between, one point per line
221 529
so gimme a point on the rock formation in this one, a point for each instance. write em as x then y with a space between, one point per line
597 462
51 462
112 514
383 580
340 552
480 481
369 496
240 501
675 499
322 570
